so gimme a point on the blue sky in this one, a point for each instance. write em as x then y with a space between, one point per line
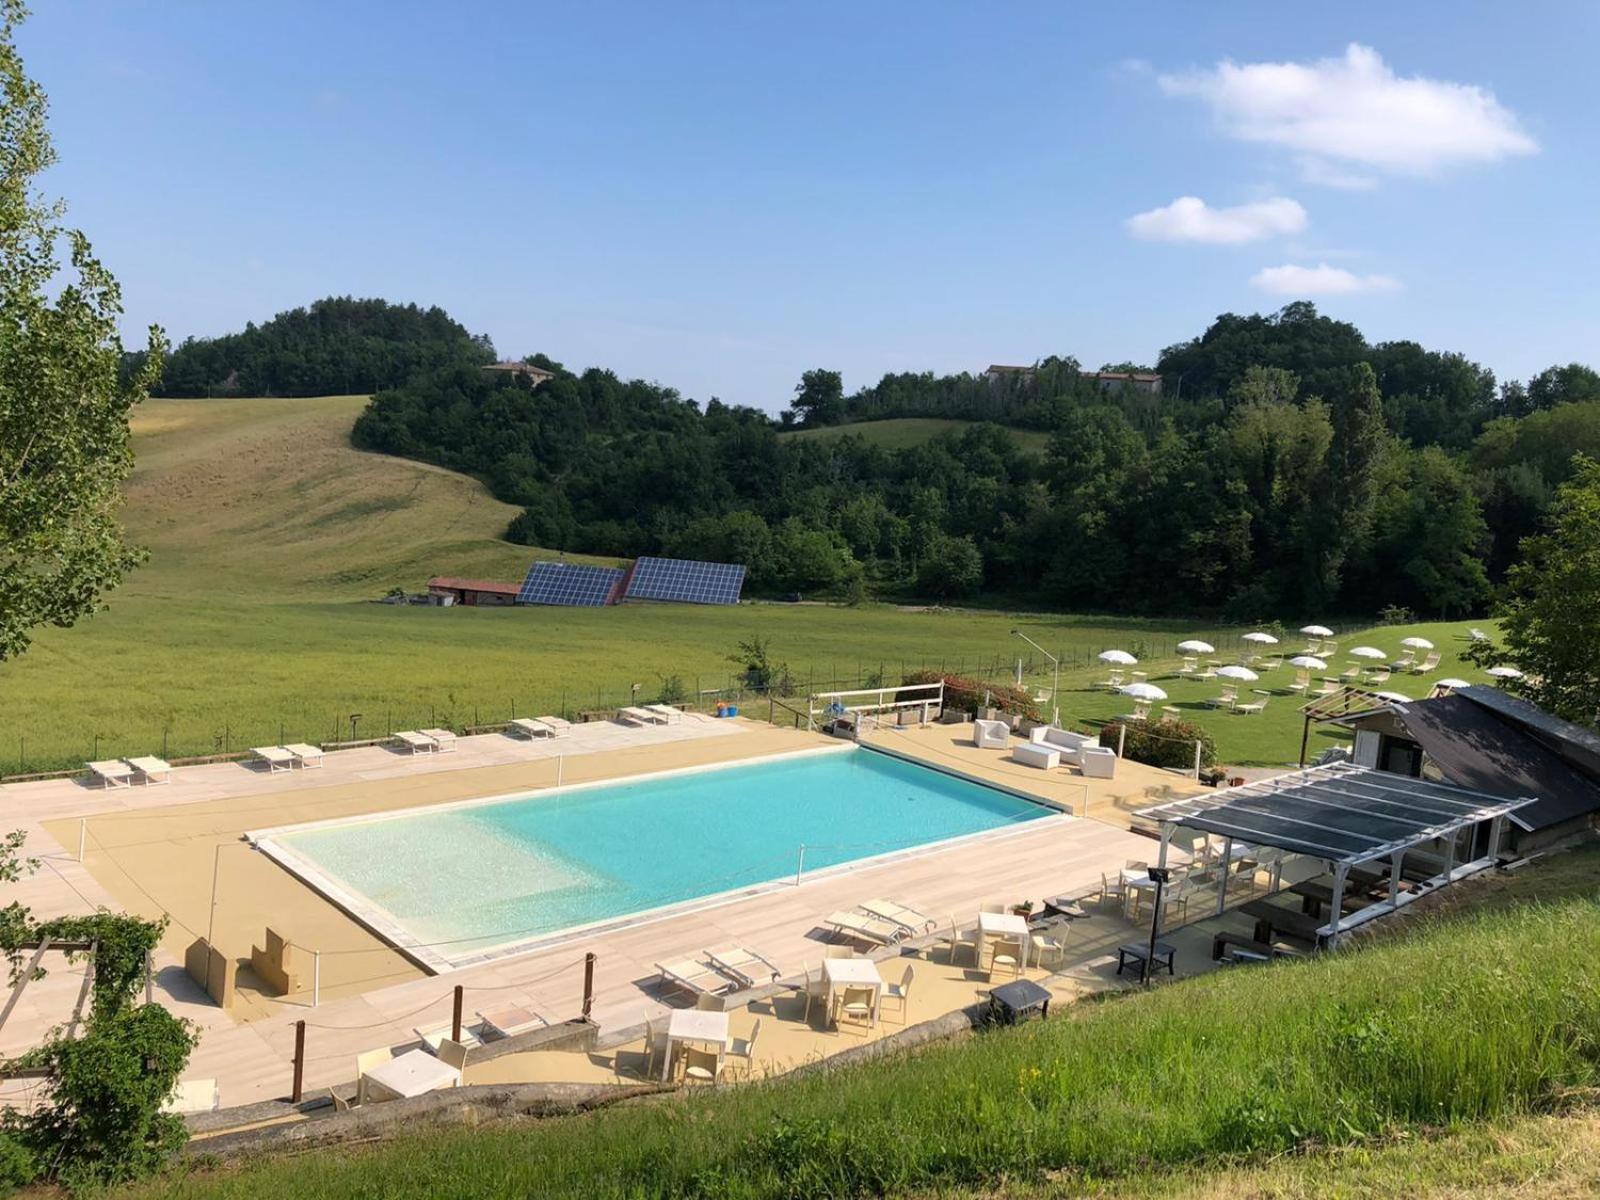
721 196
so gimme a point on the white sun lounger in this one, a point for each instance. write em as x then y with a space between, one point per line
112 772
638 716
742 965
276 758
149 766
444 738
304 754
865 927
903 915
417 743
666 712
529 728
559 726
693 977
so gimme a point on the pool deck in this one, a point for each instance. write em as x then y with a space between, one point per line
153 850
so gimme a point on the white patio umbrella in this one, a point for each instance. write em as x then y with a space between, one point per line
1121 657
1417 643
1316 630
1265 639
1394 696
1196 646
1368 652
1309 662
1243 674
1143 691
1451 683
1504 672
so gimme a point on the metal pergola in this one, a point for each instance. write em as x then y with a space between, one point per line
1346 816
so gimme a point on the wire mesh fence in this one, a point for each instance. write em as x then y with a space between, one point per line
43 748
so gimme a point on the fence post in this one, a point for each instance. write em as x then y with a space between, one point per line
149 978
299 1062
316 978
1197 747
801 865
561 762
455 1014
83 835
588 984
1122 737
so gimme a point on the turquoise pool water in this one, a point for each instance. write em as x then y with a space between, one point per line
464 878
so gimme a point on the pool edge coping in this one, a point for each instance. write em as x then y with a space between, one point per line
387 928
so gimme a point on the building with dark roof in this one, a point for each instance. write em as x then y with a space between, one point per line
1488 740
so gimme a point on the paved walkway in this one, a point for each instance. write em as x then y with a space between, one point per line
154 850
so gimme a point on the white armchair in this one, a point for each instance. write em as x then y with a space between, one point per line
991 735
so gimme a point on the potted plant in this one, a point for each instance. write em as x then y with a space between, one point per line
1025 909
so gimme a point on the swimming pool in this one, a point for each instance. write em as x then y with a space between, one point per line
463 882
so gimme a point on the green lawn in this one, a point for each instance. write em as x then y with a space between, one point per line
1487 1016
269 537
899 433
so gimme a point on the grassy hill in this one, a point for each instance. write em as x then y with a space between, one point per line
269 534
898 433
1477 1022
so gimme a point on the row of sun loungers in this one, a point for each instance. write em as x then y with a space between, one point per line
121 772
650 714
879 922
538 727
427 741
727 969
287 757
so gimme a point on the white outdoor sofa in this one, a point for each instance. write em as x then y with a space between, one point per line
1070 745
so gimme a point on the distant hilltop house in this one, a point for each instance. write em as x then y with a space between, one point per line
1140 381
483 593
536 375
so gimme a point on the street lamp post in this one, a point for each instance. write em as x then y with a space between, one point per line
1055 683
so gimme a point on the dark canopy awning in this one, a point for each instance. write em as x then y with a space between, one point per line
1342 813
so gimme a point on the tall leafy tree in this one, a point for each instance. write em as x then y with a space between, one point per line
819 398
63 407
1550 619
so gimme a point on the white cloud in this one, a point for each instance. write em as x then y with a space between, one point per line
1320 280
1355 109
1191 219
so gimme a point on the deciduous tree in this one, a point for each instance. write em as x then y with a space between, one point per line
64 403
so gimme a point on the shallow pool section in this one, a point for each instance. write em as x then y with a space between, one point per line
463 882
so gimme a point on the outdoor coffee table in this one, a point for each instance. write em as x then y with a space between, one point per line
1065 906
1012 1001
1133 954
704 1026
412 1074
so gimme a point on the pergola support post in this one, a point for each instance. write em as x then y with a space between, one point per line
1340 873
1394 877
1166 841
1450 854
1222 877
1497 828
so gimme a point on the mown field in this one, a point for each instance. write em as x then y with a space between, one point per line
1477 1025
899 433
269 537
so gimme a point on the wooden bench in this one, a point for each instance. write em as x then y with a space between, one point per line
1249 945
1272 920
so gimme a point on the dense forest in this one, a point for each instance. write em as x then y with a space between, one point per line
1288 467
338 346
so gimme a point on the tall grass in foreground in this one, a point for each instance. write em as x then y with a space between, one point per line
1475 1018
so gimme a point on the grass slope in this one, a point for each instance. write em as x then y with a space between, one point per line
900 433
1488 1015
267 534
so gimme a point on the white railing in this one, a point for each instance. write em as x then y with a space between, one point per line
858 701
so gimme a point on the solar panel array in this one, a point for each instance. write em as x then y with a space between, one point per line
685 580
569 584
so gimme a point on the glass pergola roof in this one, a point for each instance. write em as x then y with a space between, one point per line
1342 813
